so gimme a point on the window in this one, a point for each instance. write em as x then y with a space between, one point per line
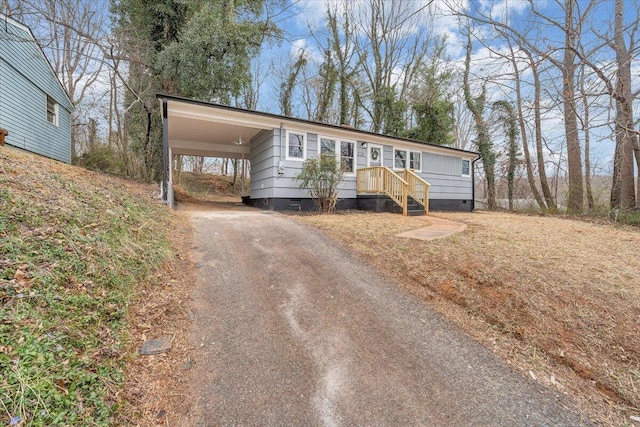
399 159
295 146
466 168
344 151
327 146
403 159
347 162
52 111
415 160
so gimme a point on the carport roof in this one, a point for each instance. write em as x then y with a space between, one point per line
213 130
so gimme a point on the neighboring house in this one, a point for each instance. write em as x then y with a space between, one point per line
34 107
378 168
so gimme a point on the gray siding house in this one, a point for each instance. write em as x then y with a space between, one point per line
34 107
377 167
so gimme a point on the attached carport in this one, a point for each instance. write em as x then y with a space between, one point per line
196 128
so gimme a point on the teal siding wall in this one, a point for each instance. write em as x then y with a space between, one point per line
25 81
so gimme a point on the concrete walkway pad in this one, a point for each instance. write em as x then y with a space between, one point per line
438 229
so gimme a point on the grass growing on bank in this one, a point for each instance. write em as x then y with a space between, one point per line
73 246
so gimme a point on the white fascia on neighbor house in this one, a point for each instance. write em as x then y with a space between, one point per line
276 147
34 107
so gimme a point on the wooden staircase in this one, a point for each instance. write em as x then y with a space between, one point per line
409 194
413 208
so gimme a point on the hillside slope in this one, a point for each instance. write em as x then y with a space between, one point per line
76 249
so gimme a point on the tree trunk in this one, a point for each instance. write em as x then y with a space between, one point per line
542 172
523 133
623 191
574 158
587 139
235 171
485 147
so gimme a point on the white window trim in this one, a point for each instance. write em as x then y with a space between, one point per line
355 154
321 137
461 163
409 160
381 147
338 150
304 145
395 150
55 111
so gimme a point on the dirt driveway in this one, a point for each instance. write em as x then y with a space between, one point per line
290 329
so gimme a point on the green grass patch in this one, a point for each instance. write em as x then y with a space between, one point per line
72 249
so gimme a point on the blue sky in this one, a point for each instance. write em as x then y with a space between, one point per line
304 23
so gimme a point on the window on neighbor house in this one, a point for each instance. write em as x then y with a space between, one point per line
399 159
466 168
415 160
347 152
52 111
295 146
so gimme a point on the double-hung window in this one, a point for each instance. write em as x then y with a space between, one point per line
327 146
344 152
415 160
296 146
52 111
399 159
466 168
347 156
404 159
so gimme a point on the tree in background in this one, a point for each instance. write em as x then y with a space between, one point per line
430 103
476 105
507 115
210 58
200 49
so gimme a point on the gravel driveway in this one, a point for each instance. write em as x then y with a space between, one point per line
291 329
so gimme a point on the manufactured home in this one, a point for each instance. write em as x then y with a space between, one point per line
380 172
35 110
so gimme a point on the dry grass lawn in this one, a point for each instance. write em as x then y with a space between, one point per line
559 299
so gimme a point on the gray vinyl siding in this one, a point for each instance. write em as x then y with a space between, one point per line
444 173
441 171
288 187
25 81
264 165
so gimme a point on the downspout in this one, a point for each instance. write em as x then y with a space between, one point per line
473 183
165 152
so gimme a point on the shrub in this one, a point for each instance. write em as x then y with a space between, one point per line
321 176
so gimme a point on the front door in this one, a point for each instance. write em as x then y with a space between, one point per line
375 155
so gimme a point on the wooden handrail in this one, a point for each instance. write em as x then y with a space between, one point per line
418 188
381 179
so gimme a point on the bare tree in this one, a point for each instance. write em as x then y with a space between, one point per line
476 105
389 52
70 33
507 115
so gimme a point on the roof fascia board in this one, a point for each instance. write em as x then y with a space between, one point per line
262 120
